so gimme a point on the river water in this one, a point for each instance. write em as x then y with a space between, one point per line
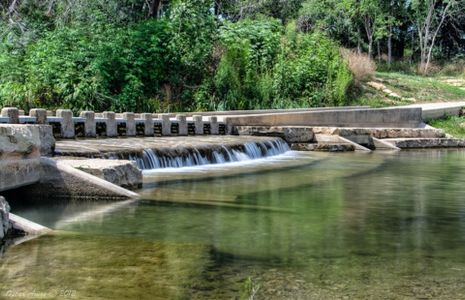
296 226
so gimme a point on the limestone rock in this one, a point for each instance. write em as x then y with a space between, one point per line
19 155
47 140
123 173
4 219
291 134
419 143
19 141
323 147
382 133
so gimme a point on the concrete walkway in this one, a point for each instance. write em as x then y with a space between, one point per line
439 109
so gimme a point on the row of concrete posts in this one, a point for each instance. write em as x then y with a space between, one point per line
110 124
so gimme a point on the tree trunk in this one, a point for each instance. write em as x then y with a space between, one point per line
389 46
359 43
370 48
368 22
427 33
154 8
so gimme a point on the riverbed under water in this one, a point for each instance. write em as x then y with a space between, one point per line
297 226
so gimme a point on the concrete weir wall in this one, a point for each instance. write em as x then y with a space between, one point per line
109 124
23 163
364 117
90 124
19 155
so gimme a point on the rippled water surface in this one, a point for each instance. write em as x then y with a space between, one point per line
308 226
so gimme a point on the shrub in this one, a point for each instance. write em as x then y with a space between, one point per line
95 68
311 72
265 65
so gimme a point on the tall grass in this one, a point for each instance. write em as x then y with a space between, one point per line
362 67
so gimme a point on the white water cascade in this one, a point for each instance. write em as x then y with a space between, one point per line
150 159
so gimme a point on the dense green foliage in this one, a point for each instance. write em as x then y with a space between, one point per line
108 67
266 65
169 55
186 59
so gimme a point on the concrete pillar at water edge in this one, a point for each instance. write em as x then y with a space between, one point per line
90 126
67 123
12 113
148 124
130 119
165 125
110 120
182 121
214 126
40 115
198 122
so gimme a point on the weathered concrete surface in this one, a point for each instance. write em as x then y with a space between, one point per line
20 149
12 113
339 140
47 140
19 155
432 111
323 147
5 225
20 224
421 143
67 123
383 133
122 173
383 145
60 180
384 117
291 134
222 114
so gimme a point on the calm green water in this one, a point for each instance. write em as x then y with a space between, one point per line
355 226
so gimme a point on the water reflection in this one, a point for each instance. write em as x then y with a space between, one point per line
354 226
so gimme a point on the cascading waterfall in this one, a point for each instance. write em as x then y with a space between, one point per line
224 154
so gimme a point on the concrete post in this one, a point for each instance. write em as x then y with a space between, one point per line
165 125
12 113
130 123
148 124
67 123
110 121
40 115
198 122
182 121
214 126
90 127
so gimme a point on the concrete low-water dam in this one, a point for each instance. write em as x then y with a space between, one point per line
226 210
149 153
